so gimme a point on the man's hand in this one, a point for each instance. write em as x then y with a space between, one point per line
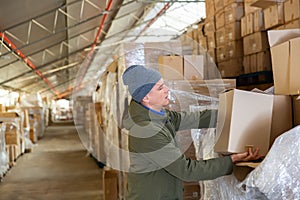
246 156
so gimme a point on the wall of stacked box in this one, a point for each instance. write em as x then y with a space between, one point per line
23 121
216 63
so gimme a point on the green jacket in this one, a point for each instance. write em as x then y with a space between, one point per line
157 166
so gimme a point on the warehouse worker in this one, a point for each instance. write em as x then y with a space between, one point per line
157 166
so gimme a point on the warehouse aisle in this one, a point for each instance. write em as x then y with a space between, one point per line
58 168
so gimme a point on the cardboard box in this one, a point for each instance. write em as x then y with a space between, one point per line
110 185
285 48
258 21
202 44
219 5
273 16
171 67
250 23
221 53
247 64
233 12
227 2
233 31
241 172
231 68
220 36
209 8
234 49
255 43
291 10
266 3
193 66
244 119
211 41
248 6
253 63
191 191
264 61
229 51
210 25
293 24
220 19
9 115
282 117
244 26
211 70
296 110
211 56
152 50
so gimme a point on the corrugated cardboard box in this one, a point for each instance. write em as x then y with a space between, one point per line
247 64
209 8
258 21
233 12
171 67
273 16
202 44
221 53
110 185
211 41
250 23
255 43
193 66
220 19
281 117
264 61
209 25
293 24
285 48
291 10
220 37
227 2
253 63
191 191
234 49
296 110
244 26
8 115
231 68
152 50
244 119
248 6
233 31
219 4
266 3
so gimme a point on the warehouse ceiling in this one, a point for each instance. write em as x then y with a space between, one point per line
46 45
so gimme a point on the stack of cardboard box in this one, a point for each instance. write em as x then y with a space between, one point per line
285 47
256 48
228 39
252 119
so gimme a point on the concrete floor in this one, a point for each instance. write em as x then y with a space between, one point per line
58 168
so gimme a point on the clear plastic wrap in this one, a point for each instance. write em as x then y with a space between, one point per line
3 154
134 54
152 51
31 100
278 176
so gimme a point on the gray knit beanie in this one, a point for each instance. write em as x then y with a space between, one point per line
140 80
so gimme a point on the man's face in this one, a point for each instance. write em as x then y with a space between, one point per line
158 95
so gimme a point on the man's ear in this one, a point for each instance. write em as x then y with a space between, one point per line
145 99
